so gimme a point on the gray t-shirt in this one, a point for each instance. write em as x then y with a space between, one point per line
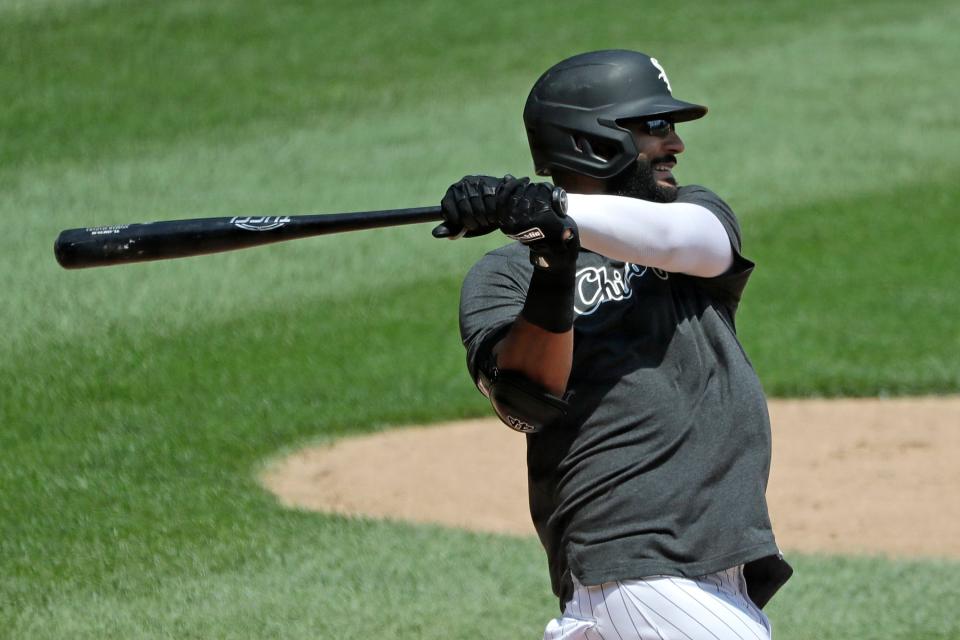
661 465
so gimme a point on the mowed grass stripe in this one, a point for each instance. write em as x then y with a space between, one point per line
150 442
856 296
128 79
361 579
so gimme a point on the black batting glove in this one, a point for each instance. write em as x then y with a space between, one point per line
536 215
470 206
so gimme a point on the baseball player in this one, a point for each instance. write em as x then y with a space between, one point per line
606 334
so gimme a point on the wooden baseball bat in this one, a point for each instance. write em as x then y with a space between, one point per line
123 243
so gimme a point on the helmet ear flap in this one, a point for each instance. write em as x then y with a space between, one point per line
595 148
602 152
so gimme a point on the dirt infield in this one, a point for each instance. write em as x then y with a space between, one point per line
848 476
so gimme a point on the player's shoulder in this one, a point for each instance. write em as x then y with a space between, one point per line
512 260
700 195
509 250
697 193
708 199
513 254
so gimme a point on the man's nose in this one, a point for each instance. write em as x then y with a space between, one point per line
672 143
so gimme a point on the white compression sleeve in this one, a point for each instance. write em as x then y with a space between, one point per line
679 237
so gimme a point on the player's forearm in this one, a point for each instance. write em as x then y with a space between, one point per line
677 237
544 357
539 344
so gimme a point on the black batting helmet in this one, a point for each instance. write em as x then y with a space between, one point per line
575 111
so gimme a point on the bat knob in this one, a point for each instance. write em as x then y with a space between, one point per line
559 198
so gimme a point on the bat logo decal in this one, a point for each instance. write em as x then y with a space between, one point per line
263 223
106 231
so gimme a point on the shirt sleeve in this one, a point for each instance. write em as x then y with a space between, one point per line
730 284
491 298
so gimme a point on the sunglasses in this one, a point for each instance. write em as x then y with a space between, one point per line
657 127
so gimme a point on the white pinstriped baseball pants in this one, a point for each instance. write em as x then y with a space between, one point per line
711 607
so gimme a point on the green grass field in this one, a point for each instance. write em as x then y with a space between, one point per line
138 403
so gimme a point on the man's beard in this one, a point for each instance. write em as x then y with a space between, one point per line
639 182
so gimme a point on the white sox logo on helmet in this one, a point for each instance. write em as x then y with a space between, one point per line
663 74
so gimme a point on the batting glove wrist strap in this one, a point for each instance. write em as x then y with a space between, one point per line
549 303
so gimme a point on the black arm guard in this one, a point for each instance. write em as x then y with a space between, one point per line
520 404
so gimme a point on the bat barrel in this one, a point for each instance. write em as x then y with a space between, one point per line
99 246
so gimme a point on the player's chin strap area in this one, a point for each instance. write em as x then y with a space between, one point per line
520 404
